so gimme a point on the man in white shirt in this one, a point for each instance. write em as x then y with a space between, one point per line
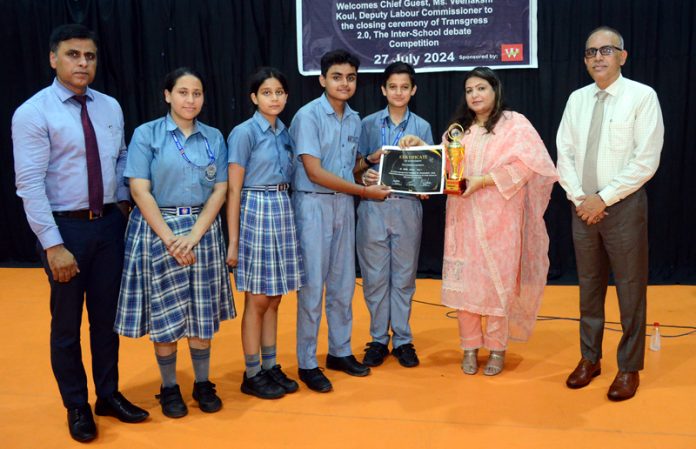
609 144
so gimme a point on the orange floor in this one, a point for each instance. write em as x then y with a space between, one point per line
431 406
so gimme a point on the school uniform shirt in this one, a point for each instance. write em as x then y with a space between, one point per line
379 130
264 153
317 131
153 155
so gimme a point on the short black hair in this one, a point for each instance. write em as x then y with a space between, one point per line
339 56
172 77
264 73
70 31
399 67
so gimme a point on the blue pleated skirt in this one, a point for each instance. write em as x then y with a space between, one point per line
161 298
269 259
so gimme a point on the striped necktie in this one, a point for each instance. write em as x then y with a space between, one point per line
589 168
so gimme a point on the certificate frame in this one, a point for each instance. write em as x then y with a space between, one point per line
415 171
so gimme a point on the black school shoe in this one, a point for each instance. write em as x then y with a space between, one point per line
204 394
172 403
262 386
406 354
375 353
81 424
315 380
347 364
279 377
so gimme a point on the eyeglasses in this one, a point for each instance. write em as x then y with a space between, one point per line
607 50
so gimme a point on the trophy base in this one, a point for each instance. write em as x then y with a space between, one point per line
455 186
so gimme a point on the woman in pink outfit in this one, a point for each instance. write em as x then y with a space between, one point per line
495 260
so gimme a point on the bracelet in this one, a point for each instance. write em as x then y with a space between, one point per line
362 192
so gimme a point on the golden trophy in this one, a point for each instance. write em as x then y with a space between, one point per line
455 183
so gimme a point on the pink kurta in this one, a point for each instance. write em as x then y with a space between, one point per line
496 244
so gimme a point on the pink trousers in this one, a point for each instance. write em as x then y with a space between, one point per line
473 336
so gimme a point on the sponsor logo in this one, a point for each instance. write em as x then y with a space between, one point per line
511 52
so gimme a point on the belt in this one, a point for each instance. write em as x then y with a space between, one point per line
85 214
397 196
181 210
270 188
318 193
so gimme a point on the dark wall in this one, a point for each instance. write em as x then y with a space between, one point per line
141 40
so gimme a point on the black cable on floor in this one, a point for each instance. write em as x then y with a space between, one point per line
692 329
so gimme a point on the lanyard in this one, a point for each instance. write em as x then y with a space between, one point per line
211 156
402 127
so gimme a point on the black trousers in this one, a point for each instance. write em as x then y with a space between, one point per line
98 248
619 242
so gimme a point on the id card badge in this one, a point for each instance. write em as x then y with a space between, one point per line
210 172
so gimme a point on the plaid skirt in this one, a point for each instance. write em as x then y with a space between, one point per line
164 299
269 260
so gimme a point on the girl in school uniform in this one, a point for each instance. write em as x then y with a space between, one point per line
175 282
263 240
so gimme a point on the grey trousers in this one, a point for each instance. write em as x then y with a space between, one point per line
326 230
388 236
618 243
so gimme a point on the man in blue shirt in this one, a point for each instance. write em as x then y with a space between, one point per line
326 132
69 156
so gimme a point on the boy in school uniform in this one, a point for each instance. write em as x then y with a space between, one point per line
326 132
389 232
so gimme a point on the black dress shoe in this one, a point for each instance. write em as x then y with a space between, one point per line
204 393
375 353
315 380
119 407
262 386
81 424
279 377
347 364
406 354
172 403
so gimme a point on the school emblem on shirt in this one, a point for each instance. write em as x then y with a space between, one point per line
511 52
